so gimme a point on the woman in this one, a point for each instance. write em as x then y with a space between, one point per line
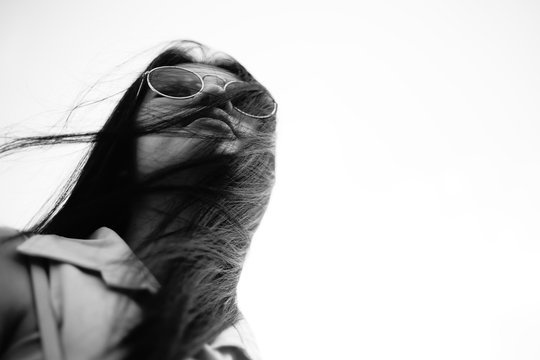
151 232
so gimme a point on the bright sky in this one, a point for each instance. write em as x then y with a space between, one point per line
404 222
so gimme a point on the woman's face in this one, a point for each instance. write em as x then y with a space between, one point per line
157 151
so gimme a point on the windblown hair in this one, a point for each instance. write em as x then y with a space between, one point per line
209 223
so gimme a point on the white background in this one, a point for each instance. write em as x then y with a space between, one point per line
404 223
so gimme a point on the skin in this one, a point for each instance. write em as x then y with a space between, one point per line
156 151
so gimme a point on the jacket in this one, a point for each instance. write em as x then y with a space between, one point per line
81 286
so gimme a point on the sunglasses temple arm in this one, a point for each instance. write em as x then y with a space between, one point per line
140 86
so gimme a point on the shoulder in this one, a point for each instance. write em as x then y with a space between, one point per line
16 302
7 232
13 272
14 276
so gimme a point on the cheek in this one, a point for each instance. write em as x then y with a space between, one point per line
155 111
155 152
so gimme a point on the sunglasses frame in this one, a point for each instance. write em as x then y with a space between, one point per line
146 75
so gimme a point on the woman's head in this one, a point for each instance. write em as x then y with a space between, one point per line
197 102
150 140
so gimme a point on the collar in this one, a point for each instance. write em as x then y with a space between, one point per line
104 252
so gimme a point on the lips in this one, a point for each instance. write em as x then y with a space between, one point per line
211 125
214 122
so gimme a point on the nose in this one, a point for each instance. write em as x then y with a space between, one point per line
211 94
213 89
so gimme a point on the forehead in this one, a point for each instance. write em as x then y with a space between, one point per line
205 69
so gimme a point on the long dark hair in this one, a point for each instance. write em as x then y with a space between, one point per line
199 260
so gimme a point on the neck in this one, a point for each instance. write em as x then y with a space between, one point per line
151 208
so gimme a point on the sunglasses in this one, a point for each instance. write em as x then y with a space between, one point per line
176 82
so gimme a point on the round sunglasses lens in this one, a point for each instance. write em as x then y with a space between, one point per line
175 82
257 103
